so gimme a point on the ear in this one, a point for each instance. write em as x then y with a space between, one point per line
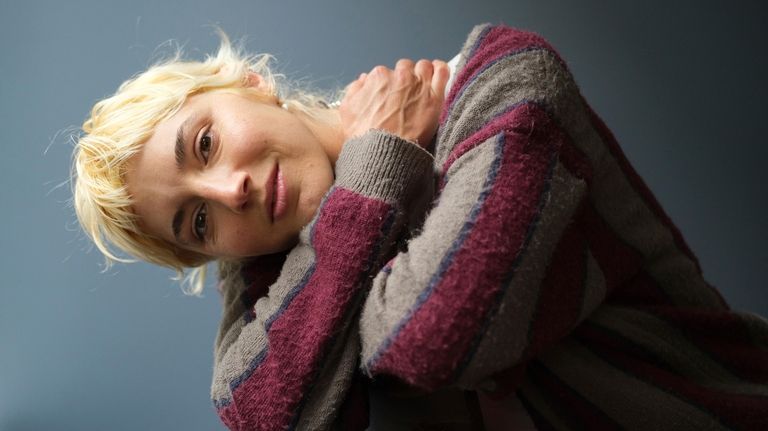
254 80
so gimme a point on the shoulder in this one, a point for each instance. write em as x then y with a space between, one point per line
487 39
501 68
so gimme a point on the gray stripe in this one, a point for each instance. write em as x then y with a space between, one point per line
594 287
529 75
242 343
233 286
470 42
666 342
332 385
632 403
387 305
383 166
538 75
506 337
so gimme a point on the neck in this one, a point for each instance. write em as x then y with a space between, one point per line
326 126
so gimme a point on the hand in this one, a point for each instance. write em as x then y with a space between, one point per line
405 101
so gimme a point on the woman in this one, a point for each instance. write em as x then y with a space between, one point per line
517 256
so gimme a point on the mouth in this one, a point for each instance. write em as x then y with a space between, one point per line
276 193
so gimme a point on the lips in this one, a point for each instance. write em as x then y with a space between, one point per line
279 201
275 191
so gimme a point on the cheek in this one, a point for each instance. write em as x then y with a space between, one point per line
315 186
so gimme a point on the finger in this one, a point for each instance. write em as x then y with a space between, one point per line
355 85
440 77
404 70
404 64
424 70
379 71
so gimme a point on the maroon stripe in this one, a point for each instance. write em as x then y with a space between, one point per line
568 154
541 423
561 294
592 334
572 407
230 417
258 274
491 129
723 335
575 161
741 411
642 189
299 338
618 262
498 42
640 291
473 409
354 412
429 347
507 381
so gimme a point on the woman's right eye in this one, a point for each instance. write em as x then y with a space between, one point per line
200 224
204 147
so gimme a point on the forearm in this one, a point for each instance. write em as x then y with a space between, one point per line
270 375
500 269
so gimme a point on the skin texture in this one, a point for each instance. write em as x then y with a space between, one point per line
233 145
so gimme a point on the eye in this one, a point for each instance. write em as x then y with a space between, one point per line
200 223
204 146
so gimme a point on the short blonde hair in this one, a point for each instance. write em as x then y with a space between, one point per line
118 127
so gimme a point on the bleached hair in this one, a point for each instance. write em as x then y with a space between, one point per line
118 127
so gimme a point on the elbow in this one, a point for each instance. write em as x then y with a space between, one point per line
415 366
422 354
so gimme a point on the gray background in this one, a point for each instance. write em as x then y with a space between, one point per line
681 85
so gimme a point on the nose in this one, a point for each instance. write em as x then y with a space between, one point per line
228 189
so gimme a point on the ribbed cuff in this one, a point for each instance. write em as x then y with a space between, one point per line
382 165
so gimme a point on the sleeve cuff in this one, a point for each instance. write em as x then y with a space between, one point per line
382 165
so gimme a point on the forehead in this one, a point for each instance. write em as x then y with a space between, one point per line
152 177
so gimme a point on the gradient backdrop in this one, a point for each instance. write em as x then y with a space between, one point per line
681 85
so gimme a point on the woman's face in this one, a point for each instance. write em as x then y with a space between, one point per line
229 176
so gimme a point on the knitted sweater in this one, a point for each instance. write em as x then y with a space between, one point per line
544 267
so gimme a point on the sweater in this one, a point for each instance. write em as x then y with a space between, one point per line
521 256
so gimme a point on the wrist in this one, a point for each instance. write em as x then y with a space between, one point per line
383 165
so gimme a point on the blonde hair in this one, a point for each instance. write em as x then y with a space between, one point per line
118 127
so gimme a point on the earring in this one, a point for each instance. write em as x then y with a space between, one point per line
327 105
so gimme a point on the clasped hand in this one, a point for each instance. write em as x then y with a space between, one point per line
405 101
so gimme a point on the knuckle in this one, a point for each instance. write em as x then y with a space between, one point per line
379 70
404 63
403 73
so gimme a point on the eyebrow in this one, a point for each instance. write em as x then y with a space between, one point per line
179 146
178 219
178 149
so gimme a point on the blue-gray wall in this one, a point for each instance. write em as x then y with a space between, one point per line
681 86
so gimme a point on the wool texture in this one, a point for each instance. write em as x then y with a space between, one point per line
538 265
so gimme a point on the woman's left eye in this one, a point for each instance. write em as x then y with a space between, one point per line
200 224
204 146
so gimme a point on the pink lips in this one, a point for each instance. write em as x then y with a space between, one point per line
279 203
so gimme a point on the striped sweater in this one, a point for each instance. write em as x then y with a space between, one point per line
543 268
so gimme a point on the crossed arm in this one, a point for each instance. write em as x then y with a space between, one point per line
467 298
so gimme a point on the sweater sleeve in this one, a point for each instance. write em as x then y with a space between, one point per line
288 361
496 274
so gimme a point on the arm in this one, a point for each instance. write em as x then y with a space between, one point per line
290 361
498 272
